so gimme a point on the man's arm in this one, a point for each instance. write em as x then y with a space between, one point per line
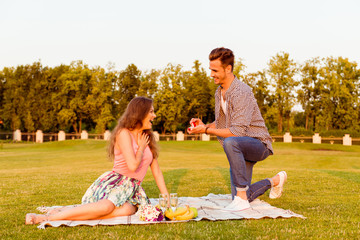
211 129
225 132
211 125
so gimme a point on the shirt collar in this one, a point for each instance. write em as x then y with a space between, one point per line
232 86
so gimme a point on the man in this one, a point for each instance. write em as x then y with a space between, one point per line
241 131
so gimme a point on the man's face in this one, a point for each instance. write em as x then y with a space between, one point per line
217 72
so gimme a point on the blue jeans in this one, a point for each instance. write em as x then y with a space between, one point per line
242 154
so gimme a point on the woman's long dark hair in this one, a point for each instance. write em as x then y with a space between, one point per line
136 111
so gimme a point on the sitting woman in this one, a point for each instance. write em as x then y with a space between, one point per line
119 192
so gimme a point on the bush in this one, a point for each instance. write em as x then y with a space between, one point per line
299 131
340 133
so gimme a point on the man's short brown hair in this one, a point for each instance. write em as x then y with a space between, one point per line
225 55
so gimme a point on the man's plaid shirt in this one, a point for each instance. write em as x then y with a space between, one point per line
243 117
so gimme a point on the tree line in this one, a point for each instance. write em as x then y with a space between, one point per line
76 97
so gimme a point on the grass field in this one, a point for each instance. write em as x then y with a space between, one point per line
323 185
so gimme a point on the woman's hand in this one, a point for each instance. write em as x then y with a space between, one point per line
143 141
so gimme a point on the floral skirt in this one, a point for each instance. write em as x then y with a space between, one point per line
117 188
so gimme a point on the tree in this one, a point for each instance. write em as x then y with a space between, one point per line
282 70
265 99
2 88
309 93
98 102
149 84
51 101
169 101
239 69
339 94
14 97
71 98
125 88
198 92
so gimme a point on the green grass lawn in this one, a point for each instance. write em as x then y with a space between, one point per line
323 185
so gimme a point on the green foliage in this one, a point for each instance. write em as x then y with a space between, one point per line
126 87
169 103
340 133
301 132
309 93
197 92
282 70
339 94
76 97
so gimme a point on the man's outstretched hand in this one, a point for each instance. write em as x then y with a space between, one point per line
197 126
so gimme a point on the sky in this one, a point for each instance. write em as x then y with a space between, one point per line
151 34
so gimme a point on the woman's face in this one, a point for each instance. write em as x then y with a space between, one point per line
147 122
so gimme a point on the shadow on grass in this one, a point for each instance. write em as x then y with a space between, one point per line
350 176
225 173
172 179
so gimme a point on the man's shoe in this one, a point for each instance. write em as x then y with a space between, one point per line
276 191
238 204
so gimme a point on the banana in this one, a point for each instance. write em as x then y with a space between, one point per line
179 212
194 209
187 216
169 213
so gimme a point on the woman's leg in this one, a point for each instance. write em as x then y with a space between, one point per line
99 210
85 212
125 210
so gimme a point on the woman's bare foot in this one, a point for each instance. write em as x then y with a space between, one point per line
32 218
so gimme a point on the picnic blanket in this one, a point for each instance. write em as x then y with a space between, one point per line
209 207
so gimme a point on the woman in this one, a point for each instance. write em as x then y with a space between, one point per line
119 192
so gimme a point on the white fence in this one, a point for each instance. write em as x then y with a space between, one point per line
40 137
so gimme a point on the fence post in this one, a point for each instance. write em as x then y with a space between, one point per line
180 136
156 135
316 138
347 140
61 136
107 135
287 138
17 135
205 137
84 134
39 136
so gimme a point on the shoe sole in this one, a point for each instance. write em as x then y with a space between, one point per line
282 184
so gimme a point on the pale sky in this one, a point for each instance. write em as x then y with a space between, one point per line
153 33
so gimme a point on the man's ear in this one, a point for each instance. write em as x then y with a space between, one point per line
228 69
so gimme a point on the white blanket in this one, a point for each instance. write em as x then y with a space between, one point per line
209 207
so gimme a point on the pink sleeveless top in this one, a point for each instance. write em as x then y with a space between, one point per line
121 167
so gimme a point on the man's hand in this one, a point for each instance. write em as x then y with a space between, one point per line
197 126
196 122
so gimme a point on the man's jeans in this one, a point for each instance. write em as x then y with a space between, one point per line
242 154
